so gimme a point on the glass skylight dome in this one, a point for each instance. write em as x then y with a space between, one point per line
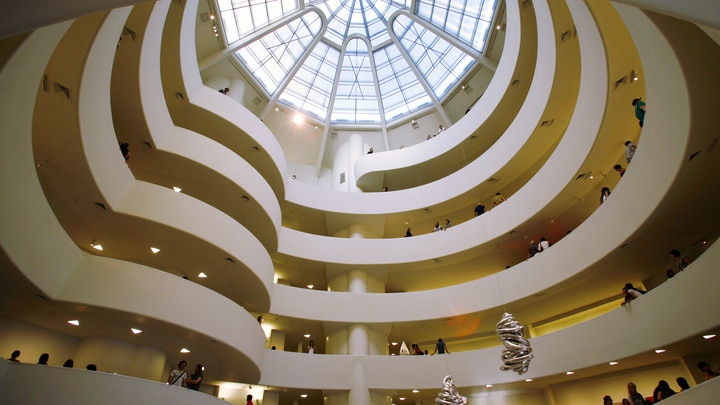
357 61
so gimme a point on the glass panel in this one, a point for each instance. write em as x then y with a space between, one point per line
271 57
476 17
440 63
311 87
355 99
242 17
400 89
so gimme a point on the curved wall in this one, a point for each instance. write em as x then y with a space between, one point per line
79 278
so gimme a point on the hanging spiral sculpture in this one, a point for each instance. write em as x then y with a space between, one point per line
449 395
517 352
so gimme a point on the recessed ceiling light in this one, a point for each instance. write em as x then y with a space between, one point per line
177 189
310 286
415 391
184 350
488 385
202 275
402 398
612 363
307 335
658 351
96 246
708 336
154 249
394 343
74 322
303 395
136 331
569 372
528 380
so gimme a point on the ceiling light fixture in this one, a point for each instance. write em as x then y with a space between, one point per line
708 336
612 363
303 395
569 372
74 322
298 119
154 249
394 343
202 275
402 398
528 380
307 335
177 189
184 350
310 286
415 391
488 385
96 246
135 331
658 351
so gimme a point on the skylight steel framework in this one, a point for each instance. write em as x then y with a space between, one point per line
361 61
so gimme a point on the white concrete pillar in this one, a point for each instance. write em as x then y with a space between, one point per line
359 394
358 343
356 231
357 281
356 148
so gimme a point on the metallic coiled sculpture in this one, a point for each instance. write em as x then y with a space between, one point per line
449 395
517 352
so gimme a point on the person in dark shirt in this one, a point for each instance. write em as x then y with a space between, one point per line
193 383
479 210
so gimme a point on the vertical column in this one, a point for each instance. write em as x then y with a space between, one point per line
357 281
359 394
356 148
358 343
277 339
271 398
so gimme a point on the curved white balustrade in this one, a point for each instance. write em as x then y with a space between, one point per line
501 153
645 188
140 200
555 353
35 242
705 12
137 89
35 384
517 62
234 125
